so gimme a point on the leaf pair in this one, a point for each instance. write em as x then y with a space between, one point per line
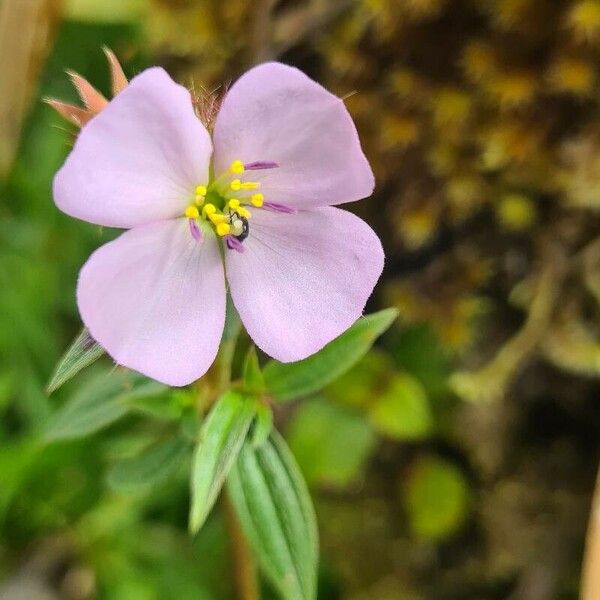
266 488
276 513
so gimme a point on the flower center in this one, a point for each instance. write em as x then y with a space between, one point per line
223 203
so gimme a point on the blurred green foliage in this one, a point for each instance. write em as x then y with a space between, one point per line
481 120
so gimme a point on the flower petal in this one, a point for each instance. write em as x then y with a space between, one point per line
154 299
303 279
139 160
276 113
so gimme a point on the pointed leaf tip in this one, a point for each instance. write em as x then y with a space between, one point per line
254 382
118 78
75 114
94 101
81 354
221 438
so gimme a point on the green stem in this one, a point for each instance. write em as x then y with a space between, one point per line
213 384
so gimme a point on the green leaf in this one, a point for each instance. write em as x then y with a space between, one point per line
403 411
331 443
81 354
254 382
221 438
262 424
166 406
436 497
152 466
101 401
276 513
293 380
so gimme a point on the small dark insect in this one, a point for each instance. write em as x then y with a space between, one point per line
245 226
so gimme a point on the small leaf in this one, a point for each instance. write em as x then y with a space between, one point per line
221 438
402 412
81 354
102 400
293 380
152 466
167 406
276 513
262 424
436 497
330 442
254 382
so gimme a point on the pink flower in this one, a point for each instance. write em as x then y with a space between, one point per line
284 151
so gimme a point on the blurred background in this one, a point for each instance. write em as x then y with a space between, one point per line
458 459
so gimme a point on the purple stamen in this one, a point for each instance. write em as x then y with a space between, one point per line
234 244
282 208
260 164
195 230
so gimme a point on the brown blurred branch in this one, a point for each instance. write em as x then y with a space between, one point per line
26 32
246 581
590 583
260 43
490 381
298 23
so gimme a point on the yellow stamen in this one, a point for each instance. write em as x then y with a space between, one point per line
199 200
237 167
209 209
234 204
201 190
217 218
223 228
237 185
257 200
244 212
191 212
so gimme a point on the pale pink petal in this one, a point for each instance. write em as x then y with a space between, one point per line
139 160
276 113
154 299
303 279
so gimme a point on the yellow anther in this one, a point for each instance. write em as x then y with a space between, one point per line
237 167
223 228
199 200
209 209
234 204
237 185
201 190
191 212
244 212
257 200
217 218
250 185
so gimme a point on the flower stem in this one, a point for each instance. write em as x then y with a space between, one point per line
213 385
244 568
